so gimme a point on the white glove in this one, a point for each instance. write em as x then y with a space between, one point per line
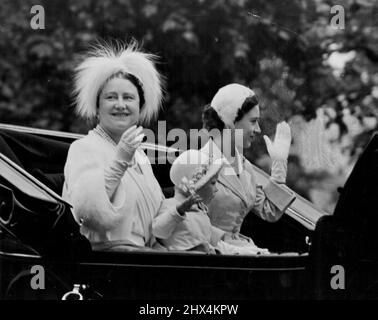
127 145
130 140
279 149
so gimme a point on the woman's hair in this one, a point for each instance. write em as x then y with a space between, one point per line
211 119
127 76
248 104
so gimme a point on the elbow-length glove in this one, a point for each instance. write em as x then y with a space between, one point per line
279 151
130 140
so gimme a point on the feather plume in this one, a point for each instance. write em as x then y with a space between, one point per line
102 62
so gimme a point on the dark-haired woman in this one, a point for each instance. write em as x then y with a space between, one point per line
237 107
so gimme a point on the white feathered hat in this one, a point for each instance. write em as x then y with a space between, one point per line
102 63
228 100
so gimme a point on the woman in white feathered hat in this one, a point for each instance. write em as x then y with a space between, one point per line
236 107
108 178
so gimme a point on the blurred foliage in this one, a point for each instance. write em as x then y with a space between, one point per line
280 48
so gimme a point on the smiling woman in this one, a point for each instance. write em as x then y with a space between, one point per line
237 107
108 178
118 107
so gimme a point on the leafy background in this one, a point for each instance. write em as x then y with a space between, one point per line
322 79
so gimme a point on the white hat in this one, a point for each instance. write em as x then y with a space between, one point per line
228 101
195 166
105 61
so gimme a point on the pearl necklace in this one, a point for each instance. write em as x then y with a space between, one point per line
102 133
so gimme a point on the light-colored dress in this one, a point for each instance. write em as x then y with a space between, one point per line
127 219
238 194
192 231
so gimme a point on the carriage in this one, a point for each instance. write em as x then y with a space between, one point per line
37 230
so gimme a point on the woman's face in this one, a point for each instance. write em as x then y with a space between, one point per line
250 126
118 107
207 192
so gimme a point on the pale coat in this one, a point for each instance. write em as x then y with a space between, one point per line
127 219
238 195
190 231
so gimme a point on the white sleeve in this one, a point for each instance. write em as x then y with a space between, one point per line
86 191
113 175
165 223
279 171
272 199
